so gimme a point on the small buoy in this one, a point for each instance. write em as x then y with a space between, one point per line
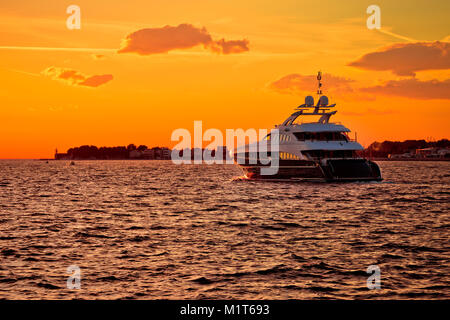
72 163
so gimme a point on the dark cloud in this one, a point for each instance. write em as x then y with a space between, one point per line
184 36
97 80
404 59
76 78
307 84
232 46
347 88
413 88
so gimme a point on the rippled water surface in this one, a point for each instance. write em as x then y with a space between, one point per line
154 230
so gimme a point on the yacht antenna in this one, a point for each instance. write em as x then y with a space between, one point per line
319 89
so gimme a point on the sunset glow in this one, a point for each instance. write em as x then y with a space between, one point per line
137 70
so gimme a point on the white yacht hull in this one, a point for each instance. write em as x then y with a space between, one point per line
325 170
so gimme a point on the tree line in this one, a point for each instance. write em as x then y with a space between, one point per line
383 149
93 152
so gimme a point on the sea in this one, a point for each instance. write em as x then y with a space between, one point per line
155 230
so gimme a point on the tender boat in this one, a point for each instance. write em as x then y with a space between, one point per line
320 150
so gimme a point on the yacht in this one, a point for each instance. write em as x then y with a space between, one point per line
310 150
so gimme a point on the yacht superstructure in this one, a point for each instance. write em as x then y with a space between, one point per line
320 150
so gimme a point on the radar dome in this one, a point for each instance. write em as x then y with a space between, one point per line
323 101
309 101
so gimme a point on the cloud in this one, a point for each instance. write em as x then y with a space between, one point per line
335 87
232 46
307 84
184 36
76 78
413 88
404 59
348 89
98 56
97 80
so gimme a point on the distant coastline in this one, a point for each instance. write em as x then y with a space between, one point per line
408 150
87 152
131 152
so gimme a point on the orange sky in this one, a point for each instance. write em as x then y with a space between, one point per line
231 64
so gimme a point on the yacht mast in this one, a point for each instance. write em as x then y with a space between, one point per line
319 89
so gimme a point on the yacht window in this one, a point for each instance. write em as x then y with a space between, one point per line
288 156
300 136
331 153
320 136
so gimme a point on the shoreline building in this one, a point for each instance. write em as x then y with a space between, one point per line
61 156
